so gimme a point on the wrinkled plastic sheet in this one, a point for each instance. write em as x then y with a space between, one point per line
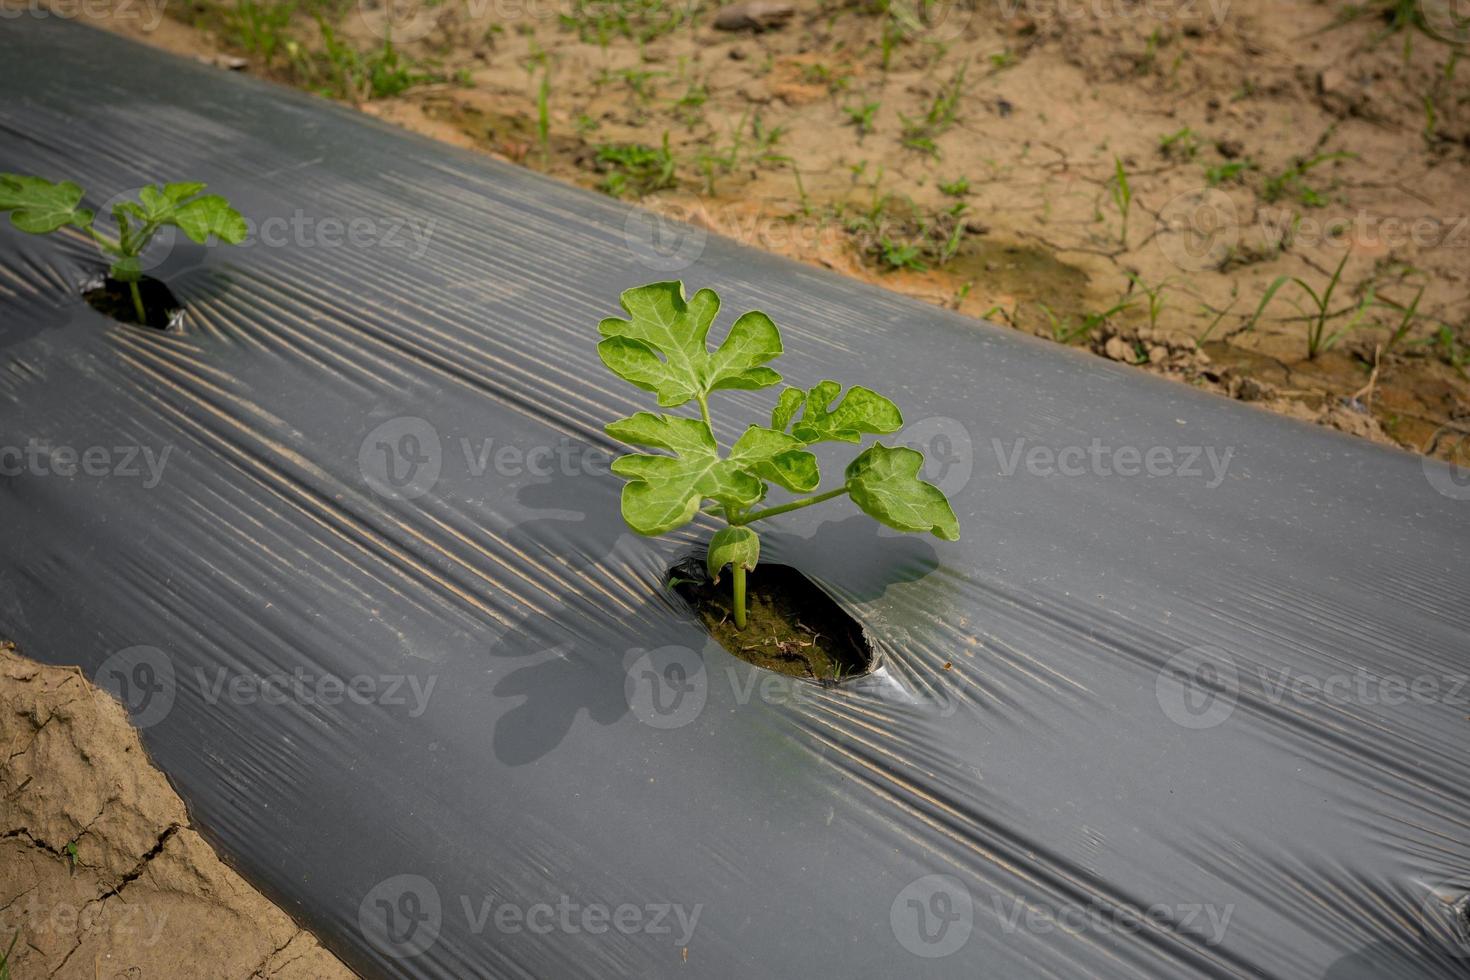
1182 724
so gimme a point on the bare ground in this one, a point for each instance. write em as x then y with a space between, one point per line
101 872
1261 141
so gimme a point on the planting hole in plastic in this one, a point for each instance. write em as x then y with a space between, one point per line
792 627
114 299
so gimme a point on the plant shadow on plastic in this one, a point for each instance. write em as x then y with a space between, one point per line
792 626
561 660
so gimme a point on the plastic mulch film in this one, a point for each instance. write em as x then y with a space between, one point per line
1187 699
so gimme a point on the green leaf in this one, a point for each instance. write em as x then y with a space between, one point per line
791 399
38 206
885 483
796 470
196 217
210 215
732 546
663 346
664 492
860 411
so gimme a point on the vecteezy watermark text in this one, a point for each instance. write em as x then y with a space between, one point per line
39 458
1199 687
1099 459
405 457
300 687
402 916
145 680
1206 921
149 13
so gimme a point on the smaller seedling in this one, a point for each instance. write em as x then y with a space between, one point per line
543 117
1155 296
862 116
5 960
956 188
636 168
1291 182
901 255
1227 172
920 134
40 207
1179 145
1411 313
1064 330
1450 350
71 856
258 29
1318 337
663 348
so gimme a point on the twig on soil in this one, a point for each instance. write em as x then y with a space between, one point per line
1365 393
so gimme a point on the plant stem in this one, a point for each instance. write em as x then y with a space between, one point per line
739 571
138 303
704 410
785 508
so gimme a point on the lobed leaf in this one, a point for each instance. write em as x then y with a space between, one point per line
210 215
38 206
885 483
663 346
664 492
861 410
732 546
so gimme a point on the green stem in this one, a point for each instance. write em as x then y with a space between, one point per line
739 571
704 411
138 303
786 508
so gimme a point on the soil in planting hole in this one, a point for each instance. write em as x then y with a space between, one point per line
115 299
792 627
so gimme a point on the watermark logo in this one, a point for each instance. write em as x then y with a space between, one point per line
148 13
401 916
1198 688
666 688
147 683
933 916
937 21
1449 20
1206 14
404 916
405 457
303 230
663 244
58 924
402 458
399 21
1100 459
1451 477
570 917
37 458
1446 909
1208 922
949 452
1198 230
408 691
142 678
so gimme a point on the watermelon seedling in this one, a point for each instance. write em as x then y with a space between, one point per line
40 207
662 347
